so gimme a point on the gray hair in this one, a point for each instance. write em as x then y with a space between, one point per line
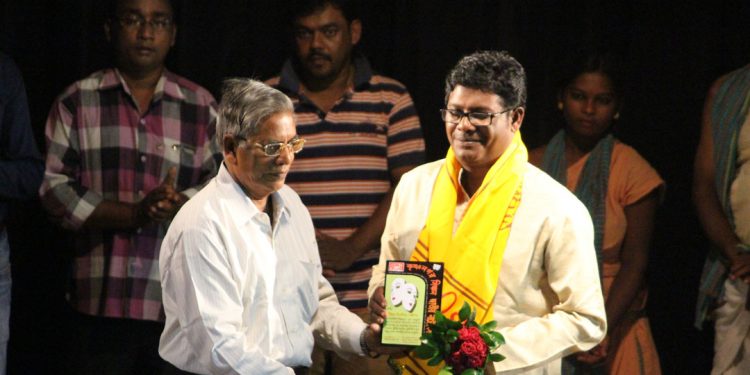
245 104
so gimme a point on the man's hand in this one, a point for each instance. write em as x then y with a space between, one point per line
377 306
372 339
739 265
595 355
335 255
162 203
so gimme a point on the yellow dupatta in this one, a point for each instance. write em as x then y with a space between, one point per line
473 255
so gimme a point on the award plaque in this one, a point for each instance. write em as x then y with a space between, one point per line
412 294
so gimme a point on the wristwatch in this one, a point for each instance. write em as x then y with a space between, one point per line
364 347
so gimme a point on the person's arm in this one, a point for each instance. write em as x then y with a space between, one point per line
706 198
340 254
212 155
577 321
405 151
21 166
634 263
198 282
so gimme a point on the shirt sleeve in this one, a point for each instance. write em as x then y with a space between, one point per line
197 278
62 193
21 166
334 326
577 322
632 176
405 140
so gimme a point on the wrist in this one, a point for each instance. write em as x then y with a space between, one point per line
364 347
732 252
139 217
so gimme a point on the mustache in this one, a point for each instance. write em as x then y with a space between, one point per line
322 55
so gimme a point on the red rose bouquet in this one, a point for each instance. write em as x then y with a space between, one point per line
465 346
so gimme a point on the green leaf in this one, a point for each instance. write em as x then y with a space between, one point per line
440 320
486 337
496 357
498 337
489 326
473 315
451 335
434 361
426 351
472 371
454 324
465 311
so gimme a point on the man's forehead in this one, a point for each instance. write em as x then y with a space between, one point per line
474 98
328 14
152 7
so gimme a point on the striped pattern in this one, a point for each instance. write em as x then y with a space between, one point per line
100 147
727 115
345 170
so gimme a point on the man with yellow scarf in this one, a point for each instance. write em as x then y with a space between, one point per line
516 245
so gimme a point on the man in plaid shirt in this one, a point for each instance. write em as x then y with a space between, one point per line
127 146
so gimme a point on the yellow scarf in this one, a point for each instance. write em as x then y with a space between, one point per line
473 255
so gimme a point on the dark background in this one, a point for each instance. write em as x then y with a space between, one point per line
675 50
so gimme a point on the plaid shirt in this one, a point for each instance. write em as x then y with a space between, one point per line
101 148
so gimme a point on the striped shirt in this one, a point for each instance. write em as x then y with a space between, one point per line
101 148
345 170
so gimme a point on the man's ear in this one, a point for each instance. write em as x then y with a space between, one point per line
229 145
108 30
355 29
173 39
518 115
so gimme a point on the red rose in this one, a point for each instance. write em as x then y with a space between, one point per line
474 352
468 333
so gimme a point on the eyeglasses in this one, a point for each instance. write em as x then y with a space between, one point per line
454 116
135 22
274 149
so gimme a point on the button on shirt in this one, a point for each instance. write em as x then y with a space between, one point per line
241 295
100 147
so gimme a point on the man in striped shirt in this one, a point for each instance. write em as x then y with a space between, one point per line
362 134
127 146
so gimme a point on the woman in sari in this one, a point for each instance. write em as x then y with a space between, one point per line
621 191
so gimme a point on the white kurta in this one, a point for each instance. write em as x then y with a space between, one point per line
548 302
241 296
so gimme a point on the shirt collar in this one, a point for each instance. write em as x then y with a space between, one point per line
233 192
167 84
289 79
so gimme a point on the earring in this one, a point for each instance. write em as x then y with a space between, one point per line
617 116
560 106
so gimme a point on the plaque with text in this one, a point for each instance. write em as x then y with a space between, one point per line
412 294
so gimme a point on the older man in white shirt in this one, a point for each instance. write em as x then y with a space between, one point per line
241 276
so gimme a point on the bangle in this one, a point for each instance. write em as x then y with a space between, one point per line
364 347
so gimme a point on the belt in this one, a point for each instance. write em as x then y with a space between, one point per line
301 370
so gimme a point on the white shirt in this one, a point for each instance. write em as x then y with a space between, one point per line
241 296
548 302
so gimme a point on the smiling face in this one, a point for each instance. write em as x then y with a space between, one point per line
478 147
324 41
589 104
141 48
258 174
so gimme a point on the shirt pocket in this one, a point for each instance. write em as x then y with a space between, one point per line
297 291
